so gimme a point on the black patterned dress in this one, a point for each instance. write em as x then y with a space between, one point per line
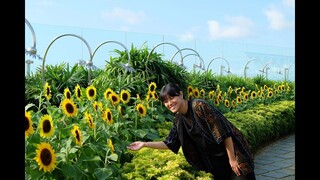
201 133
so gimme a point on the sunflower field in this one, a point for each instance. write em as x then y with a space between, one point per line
75 129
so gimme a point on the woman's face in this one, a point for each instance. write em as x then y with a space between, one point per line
173 103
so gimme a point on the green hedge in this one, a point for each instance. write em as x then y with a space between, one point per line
259 125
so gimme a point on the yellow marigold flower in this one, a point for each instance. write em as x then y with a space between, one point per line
142 110
45 157
47 91
67 93
125 96
78 92
77 134
89 120
69 108
152 86
46 126
91 92
28 125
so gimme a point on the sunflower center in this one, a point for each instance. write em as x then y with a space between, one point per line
46 126
91 92
46 157
69 108
26 124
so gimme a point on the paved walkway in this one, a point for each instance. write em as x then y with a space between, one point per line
277 160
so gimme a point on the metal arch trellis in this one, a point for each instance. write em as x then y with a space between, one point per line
228 71
126 66
159 45
63 35
246 67
201 65
32 51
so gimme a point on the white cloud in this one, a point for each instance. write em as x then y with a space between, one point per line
239 27
124 15
277 19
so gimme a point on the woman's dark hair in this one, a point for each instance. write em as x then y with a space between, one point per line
170 89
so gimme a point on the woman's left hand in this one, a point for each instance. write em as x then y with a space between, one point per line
235 167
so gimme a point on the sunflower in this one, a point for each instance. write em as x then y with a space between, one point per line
67 93
234 105
190 96
152 86
211 94
253 94
196 92
78 92
107 93
46 158
91 92
69 108
217 102
125 96
246 97
142 110
46 126
203 93
111 146
28 128
77 134
108 116
121 110
226 103
190 89
47 91
149 95
270 93
89 120
155 95
115 99
239 101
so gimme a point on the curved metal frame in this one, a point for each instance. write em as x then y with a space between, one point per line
159 45
32 50
246 66
201 65
228 71
126 66
286 72
63 35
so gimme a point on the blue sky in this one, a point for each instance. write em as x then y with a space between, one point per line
266 23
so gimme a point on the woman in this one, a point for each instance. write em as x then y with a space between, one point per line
209 141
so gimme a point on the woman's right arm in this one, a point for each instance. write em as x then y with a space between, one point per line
155 145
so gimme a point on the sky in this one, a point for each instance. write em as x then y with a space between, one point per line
258 23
